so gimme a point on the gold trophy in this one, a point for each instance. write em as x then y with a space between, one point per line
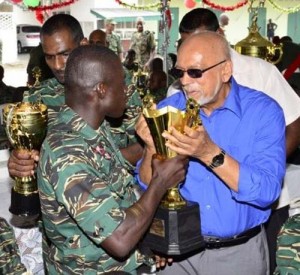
257 46
140 79
37 73
175 229
26 126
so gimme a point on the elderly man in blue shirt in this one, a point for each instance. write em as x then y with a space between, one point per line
237 160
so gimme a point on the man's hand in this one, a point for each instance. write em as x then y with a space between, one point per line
193 143
161 262
168 172
22 163
143 131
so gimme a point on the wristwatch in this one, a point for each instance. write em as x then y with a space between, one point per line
217 160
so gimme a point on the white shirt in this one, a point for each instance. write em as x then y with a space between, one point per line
263 76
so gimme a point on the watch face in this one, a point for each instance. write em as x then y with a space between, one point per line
218 160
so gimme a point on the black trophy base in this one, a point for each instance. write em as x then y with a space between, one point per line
175 232
25 206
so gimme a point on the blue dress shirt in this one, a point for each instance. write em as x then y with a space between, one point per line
250 127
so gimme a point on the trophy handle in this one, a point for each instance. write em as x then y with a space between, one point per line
8 120
274 51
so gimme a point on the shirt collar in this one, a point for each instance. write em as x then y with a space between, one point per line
86 131
232 102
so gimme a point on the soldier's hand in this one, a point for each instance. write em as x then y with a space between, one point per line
161 262
169 172
143 131
22 163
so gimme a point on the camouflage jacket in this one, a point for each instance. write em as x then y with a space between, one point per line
114 43
52 94
85 188
144 44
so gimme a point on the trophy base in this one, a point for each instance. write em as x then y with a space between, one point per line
24 206
175 231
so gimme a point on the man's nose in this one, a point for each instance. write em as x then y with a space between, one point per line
185 79
59 62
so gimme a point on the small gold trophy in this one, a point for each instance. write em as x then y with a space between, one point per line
175 229
140 79
26 126
36 73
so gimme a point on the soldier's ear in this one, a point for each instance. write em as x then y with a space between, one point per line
101 90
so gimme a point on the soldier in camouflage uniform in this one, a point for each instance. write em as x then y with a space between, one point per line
143 43
113 40
51 93
91 218
288 247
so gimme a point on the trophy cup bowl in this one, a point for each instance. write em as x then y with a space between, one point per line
257 46
26 126
175 229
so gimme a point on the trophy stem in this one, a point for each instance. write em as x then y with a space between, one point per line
173 199
25 185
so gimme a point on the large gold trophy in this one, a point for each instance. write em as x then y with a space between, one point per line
175 229
257 46
26 126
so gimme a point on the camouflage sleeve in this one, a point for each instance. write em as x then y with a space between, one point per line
288 250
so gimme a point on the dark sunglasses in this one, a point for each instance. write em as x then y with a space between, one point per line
193 73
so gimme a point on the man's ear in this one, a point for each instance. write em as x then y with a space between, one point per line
227 71
101 90
84 41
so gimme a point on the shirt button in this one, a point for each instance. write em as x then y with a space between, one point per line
208 207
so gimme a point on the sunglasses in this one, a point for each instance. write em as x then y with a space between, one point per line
193 73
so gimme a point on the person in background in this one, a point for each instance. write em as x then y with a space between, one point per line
129 62
92 219
143 43
113 39
289 64
237 160
223 22
98 37
6 92
263 76
157 84
156 65
271 27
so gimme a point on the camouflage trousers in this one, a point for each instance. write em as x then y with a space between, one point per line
288 247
